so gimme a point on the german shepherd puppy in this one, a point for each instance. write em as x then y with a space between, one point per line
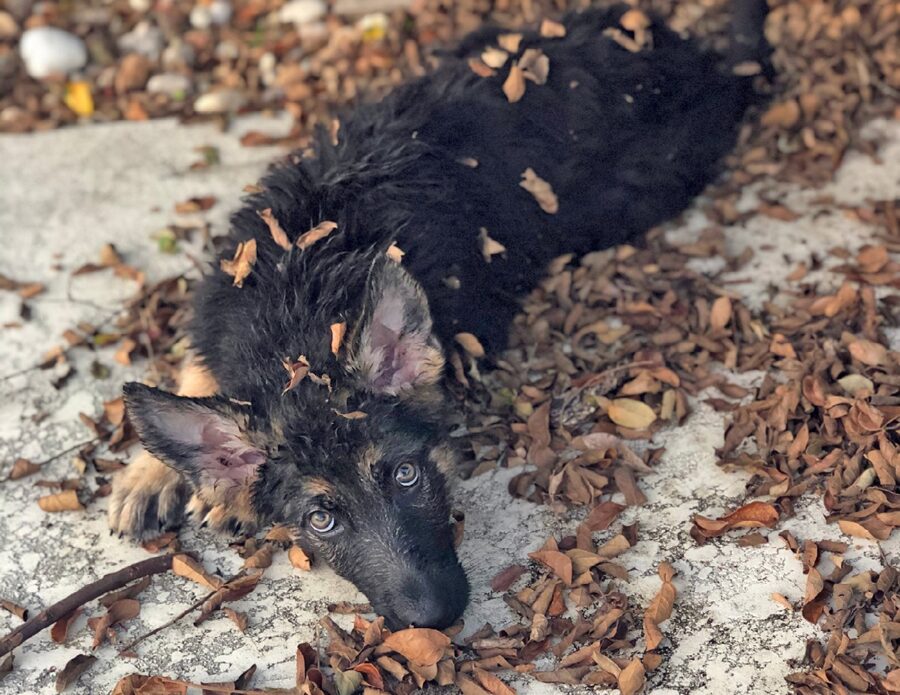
621 126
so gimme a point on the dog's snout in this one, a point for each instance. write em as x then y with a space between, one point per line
430 600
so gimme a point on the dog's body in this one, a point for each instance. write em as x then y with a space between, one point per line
624 138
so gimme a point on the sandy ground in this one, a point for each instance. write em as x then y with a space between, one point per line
65 193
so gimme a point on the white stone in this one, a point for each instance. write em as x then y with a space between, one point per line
219 102
178 54
169 83
47 51
145 39
302 11
205 16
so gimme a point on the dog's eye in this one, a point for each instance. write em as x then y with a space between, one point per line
406 474
321 521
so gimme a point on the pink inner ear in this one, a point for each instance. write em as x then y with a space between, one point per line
225 456
396 359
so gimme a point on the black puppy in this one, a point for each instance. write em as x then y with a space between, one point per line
621 124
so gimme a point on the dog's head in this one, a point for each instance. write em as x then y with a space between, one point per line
359 465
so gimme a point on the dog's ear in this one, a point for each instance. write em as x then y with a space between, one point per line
204 438
395 350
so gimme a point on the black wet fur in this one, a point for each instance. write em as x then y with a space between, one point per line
626 140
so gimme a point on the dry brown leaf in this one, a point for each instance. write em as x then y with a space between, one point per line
422 645
535 66
470 344
187 567
559 563
506 577
631 413
239 619
752 515
279 236
299 559
631 679
60 630
541 190
22 468
121 610
868 352
241 265
317 233
552 30
65 501
338 330
720 314
297 370
509 42
660 608
514 84
852 528
72 670
494 57
395 253
261 559
489 247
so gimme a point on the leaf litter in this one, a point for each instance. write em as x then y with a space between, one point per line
819 422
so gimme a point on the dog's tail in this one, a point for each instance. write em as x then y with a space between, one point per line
747 39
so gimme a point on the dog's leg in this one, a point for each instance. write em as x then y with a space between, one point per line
149 497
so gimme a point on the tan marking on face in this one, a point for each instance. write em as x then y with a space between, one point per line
446 459
196 380
319 486
366 463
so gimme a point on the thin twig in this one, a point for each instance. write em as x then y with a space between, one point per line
131 645
60 609
74 447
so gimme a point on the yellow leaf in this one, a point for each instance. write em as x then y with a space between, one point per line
78 98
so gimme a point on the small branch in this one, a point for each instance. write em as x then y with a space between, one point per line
60 609
74 447
131 645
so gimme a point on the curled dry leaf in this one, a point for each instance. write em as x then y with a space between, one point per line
299 559
187 567
514 84
395 253
720 314
489 247
868 352
660 608
121 610
494 57
753 515
559 563
541 190
631 413
23 468
298 370
73 670
552 30
509 42
422 645
261 559
230 591
65 501
317 233
241 265
60 630
535 66
470 344
239 619
338 330
631 678
279 236
19 611
506 577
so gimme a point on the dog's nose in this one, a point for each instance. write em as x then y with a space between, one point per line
422 605
425 612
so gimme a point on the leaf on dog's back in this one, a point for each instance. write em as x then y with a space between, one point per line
514 84
279 236
541 190
317 233
422 645
241 265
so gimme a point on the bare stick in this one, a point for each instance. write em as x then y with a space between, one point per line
60 609
131 645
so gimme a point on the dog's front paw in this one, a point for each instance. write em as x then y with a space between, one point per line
147 498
